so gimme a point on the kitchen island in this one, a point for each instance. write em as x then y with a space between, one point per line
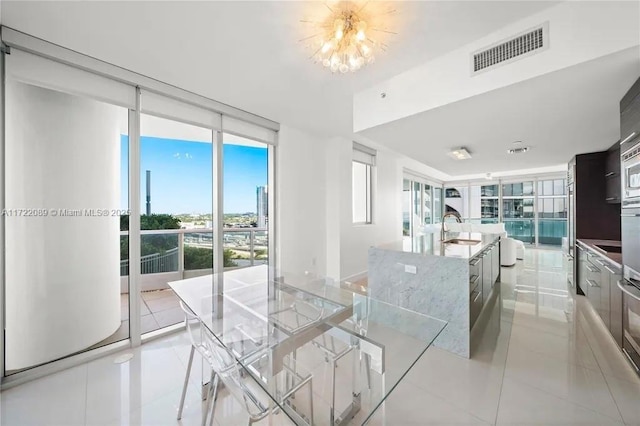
451 279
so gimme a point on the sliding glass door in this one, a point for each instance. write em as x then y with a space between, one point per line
421 206
533 210
111 192
246 212
176 241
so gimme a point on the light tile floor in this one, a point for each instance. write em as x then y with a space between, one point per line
544 358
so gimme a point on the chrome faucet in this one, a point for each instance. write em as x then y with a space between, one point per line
446 215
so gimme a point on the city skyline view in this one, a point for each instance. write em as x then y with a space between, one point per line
181 176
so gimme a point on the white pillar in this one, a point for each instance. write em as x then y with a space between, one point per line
62 272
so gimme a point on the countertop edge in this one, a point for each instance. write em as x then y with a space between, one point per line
590 246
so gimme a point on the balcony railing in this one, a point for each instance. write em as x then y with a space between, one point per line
550 230
179 250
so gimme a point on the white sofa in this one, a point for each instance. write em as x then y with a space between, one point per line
511 250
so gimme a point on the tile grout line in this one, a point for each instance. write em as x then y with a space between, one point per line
604 376
579 404
504 369
599 369
448 403
588 367
86 393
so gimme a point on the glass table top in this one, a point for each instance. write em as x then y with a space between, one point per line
322 354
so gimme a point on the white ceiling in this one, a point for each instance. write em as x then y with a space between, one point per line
248 54
571 111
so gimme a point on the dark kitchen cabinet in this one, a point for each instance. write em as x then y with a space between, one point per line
592 216
612 175
630 115
613 190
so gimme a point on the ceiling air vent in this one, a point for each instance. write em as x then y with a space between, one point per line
528 43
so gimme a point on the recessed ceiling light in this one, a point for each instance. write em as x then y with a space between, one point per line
459 154
518 150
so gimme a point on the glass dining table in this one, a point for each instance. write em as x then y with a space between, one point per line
318 353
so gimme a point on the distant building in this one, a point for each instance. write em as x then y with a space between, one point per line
262 206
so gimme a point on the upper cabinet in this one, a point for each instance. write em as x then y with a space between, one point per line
612 174
630 115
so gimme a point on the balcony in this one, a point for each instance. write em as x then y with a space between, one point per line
175 254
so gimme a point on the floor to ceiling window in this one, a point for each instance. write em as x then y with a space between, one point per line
406 207
246 212
552 211
533 210
176 241
437 204
518 210
484 204
457 201
421 205
88 159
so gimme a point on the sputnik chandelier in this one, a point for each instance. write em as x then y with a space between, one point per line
345 39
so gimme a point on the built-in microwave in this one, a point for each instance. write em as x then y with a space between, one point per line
631 177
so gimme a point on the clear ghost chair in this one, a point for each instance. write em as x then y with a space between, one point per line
225 368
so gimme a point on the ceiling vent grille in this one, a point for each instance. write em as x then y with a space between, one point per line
528 43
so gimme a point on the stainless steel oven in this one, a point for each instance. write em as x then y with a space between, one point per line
631 322
631 243
631 176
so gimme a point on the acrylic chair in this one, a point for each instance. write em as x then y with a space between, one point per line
226 368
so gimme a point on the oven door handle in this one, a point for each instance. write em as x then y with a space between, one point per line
630 215
635 295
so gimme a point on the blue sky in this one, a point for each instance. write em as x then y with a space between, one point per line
181 180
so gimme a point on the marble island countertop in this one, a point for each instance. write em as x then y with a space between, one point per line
430 244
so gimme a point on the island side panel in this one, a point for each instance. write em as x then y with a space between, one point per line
439 288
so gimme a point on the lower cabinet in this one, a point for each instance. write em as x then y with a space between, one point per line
598 278
495 263
475 299
582 270
594 276
487 275
614 274
484 270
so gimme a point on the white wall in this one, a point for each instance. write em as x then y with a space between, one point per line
348 244
300 206
314 204
579 31
62 273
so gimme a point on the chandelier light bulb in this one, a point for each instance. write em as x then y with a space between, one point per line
344 40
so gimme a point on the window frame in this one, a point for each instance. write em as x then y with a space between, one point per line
366 156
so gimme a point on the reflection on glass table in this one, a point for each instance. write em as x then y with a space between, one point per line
318 353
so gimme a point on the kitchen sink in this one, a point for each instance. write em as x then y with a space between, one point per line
609 249
462 242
